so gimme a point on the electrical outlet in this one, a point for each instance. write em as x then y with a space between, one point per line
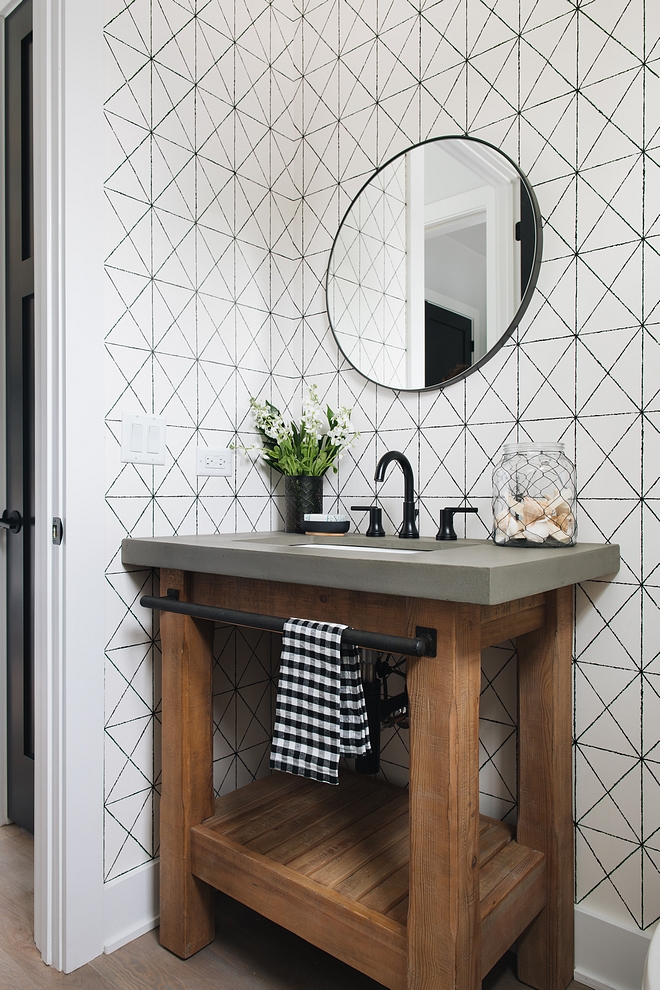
212 462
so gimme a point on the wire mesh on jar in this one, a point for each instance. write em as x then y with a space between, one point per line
534 497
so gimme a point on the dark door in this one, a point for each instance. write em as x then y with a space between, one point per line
448 344
20 413
526 234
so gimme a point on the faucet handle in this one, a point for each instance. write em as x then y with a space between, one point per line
375 518
447 531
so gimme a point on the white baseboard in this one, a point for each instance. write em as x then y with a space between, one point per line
589 981
131 906
608 955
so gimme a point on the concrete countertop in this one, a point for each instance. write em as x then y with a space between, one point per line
463 571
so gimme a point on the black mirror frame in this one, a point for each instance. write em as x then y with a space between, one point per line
524 302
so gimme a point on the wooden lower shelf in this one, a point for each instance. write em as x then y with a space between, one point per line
331 865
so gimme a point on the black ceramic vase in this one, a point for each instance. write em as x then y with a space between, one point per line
302 493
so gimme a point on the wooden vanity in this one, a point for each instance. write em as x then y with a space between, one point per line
412 887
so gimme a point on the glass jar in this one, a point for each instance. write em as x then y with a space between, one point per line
534 497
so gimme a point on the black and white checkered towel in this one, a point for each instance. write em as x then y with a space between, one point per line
320 713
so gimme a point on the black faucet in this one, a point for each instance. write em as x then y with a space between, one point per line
447 531
408 529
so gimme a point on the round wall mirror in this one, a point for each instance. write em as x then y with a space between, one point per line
434 263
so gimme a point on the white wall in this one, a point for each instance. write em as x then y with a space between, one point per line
455 271
215 266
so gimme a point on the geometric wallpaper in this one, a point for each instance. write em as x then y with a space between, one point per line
237 136
368 278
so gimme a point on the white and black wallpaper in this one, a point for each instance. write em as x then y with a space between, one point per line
368 278
238 133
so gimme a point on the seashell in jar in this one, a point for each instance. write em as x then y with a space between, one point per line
542 528
508 524
567 524
557 507
528 509
514 527
533 509
501 520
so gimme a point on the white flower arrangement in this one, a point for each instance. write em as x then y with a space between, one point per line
309 449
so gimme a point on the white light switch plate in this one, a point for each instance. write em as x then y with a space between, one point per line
214 462
142 438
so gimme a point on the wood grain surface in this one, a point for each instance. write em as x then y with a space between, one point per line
511 619
363 938
362 610
186 903
283 870
339 881
545 800
443 916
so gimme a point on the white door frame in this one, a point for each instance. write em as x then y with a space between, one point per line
4 11
69 471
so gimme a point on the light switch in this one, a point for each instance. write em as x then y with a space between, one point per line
137 432
213 462
143 439
153 443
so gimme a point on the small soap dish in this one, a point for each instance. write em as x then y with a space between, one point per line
318 524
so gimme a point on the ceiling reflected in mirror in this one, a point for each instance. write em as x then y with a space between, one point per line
434 263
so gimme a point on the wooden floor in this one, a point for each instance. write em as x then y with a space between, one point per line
249 953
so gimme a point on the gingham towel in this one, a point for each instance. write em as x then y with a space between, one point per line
320 713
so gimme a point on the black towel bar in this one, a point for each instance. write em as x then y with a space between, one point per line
423 645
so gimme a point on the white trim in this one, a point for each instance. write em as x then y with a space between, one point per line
589 981
48 859
5 11
444 215
69 634
497 203
415 317
130 934
483 160
131 906
608 954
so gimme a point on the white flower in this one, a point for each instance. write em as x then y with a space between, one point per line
312 418
269 421
343 433
313 447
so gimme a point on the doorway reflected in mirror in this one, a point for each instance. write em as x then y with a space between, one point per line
434 263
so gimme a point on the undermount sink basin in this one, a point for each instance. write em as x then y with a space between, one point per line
367 548
360 544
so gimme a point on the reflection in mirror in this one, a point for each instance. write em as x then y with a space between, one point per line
432 262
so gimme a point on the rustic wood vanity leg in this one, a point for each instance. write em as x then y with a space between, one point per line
545 817
444 945
186 903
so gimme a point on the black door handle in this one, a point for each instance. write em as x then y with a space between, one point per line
11 521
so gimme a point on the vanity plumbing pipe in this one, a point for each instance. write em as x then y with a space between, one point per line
423 645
